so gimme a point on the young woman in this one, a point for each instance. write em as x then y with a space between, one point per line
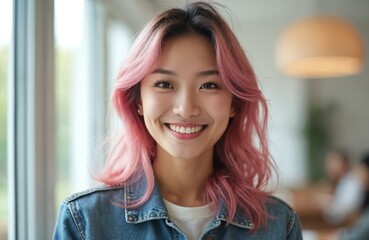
191 160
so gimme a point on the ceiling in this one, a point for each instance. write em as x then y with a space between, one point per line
138 12
246 10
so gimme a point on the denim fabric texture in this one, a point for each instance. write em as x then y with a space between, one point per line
96 214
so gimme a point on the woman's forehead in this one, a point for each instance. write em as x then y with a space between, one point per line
186 51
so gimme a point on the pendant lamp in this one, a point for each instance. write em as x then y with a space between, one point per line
320 47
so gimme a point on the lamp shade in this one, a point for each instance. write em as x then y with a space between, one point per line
320 47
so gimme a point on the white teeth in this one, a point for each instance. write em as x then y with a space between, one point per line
187 130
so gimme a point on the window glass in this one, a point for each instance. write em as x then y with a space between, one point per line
119 42
119 37
6 19
69 39
87 62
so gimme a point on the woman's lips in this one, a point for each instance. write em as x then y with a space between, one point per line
186 131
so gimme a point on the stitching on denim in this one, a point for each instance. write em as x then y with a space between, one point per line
247 224
291 223
77 219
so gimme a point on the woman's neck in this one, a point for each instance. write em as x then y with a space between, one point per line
183 181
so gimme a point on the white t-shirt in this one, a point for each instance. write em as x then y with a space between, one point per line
191 220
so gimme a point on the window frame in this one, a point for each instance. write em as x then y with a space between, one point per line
31 147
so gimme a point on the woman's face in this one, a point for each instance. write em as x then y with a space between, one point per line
184 103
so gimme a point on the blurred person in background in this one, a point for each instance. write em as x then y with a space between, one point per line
336 166
351 195
350 198
310 201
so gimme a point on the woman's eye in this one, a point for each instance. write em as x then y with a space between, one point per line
209 85
163 84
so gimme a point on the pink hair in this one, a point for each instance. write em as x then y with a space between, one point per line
242 161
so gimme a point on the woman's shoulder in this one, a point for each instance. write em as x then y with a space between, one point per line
103 201
283 216
100 206
276 205
279 209
97 192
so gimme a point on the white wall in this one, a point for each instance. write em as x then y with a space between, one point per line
350 122
289 98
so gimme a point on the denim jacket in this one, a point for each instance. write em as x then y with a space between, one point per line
96 214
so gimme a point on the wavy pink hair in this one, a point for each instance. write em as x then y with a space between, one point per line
242 163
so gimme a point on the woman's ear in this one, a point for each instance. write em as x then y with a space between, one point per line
138 100
232 112
234 108
139 107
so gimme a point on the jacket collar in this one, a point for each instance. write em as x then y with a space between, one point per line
154 207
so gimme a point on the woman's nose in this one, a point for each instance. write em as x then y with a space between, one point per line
186 105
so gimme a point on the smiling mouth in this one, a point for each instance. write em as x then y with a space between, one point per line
187 129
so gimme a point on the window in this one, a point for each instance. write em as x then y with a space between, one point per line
71 89
65 56
6 19
88 54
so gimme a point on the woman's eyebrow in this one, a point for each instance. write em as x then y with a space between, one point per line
200 74
208 73
164 71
